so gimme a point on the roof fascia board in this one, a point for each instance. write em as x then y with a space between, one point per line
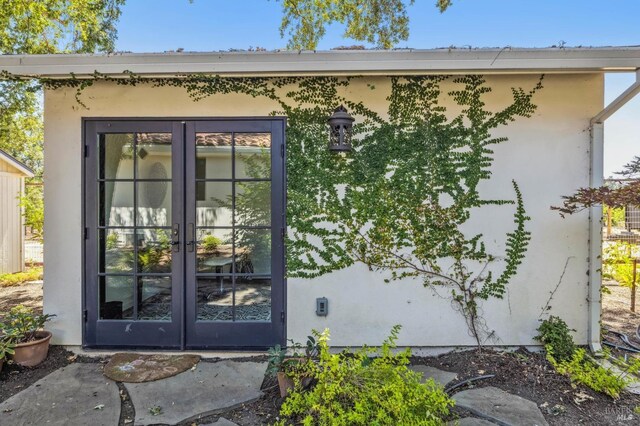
445 61
24 169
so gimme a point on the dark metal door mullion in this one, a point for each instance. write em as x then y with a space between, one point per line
233 226
135 229
180 186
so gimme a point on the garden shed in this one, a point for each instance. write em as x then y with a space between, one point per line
235 200
12 176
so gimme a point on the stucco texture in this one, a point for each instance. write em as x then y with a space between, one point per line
547 154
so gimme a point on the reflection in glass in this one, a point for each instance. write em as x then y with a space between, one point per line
115 156
253 251
253 299
214 299
213 155
253 155
215 208
154 204
154 250
214 251
116 204
116 298
154 298
154 155
253 203
116 251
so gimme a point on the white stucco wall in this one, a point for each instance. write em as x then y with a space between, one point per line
548 155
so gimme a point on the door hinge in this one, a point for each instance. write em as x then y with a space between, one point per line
282 151
86 233
282 316
85 315
86 151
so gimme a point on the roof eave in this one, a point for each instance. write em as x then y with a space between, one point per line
338 62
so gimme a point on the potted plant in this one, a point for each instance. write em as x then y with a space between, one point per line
6 348
23 328
296 370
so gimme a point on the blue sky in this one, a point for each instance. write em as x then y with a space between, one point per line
205 25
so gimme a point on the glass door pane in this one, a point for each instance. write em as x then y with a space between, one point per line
230 195
132 253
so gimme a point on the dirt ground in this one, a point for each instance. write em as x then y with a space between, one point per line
616 314
522 373
28 294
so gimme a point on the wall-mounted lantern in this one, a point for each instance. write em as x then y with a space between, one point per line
341 129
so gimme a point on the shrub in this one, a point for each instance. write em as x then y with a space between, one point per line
21 324
210 243
555 333
8 280
355 389
575 363
581 369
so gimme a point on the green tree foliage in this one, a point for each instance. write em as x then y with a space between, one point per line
380 22
38 27
617 262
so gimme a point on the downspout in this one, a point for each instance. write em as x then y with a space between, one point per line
596 179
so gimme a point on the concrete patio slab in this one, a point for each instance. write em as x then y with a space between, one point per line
500 407
208 389
77 394
439 376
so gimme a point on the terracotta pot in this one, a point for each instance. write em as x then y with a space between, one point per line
32 353
285 383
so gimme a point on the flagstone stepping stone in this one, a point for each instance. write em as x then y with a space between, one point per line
77 394
439 376
222 422
136 368
471 421
500 407
209 388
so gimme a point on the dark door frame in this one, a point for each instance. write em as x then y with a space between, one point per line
118 333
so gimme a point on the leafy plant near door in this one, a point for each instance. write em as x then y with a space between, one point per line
403 214
23 329
579 366
295 370
366 387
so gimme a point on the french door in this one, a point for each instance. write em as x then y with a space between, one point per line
184 225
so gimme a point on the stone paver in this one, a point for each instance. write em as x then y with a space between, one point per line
208 389
222 422
500 407
471 421
77 394
439 376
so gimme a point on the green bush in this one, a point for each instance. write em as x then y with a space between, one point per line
210 243
355 389
581 369
21 324
555 333
8 280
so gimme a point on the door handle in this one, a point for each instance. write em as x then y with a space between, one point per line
191 230
175 237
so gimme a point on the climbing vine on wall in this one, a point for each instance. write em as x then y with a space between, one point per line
399 202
